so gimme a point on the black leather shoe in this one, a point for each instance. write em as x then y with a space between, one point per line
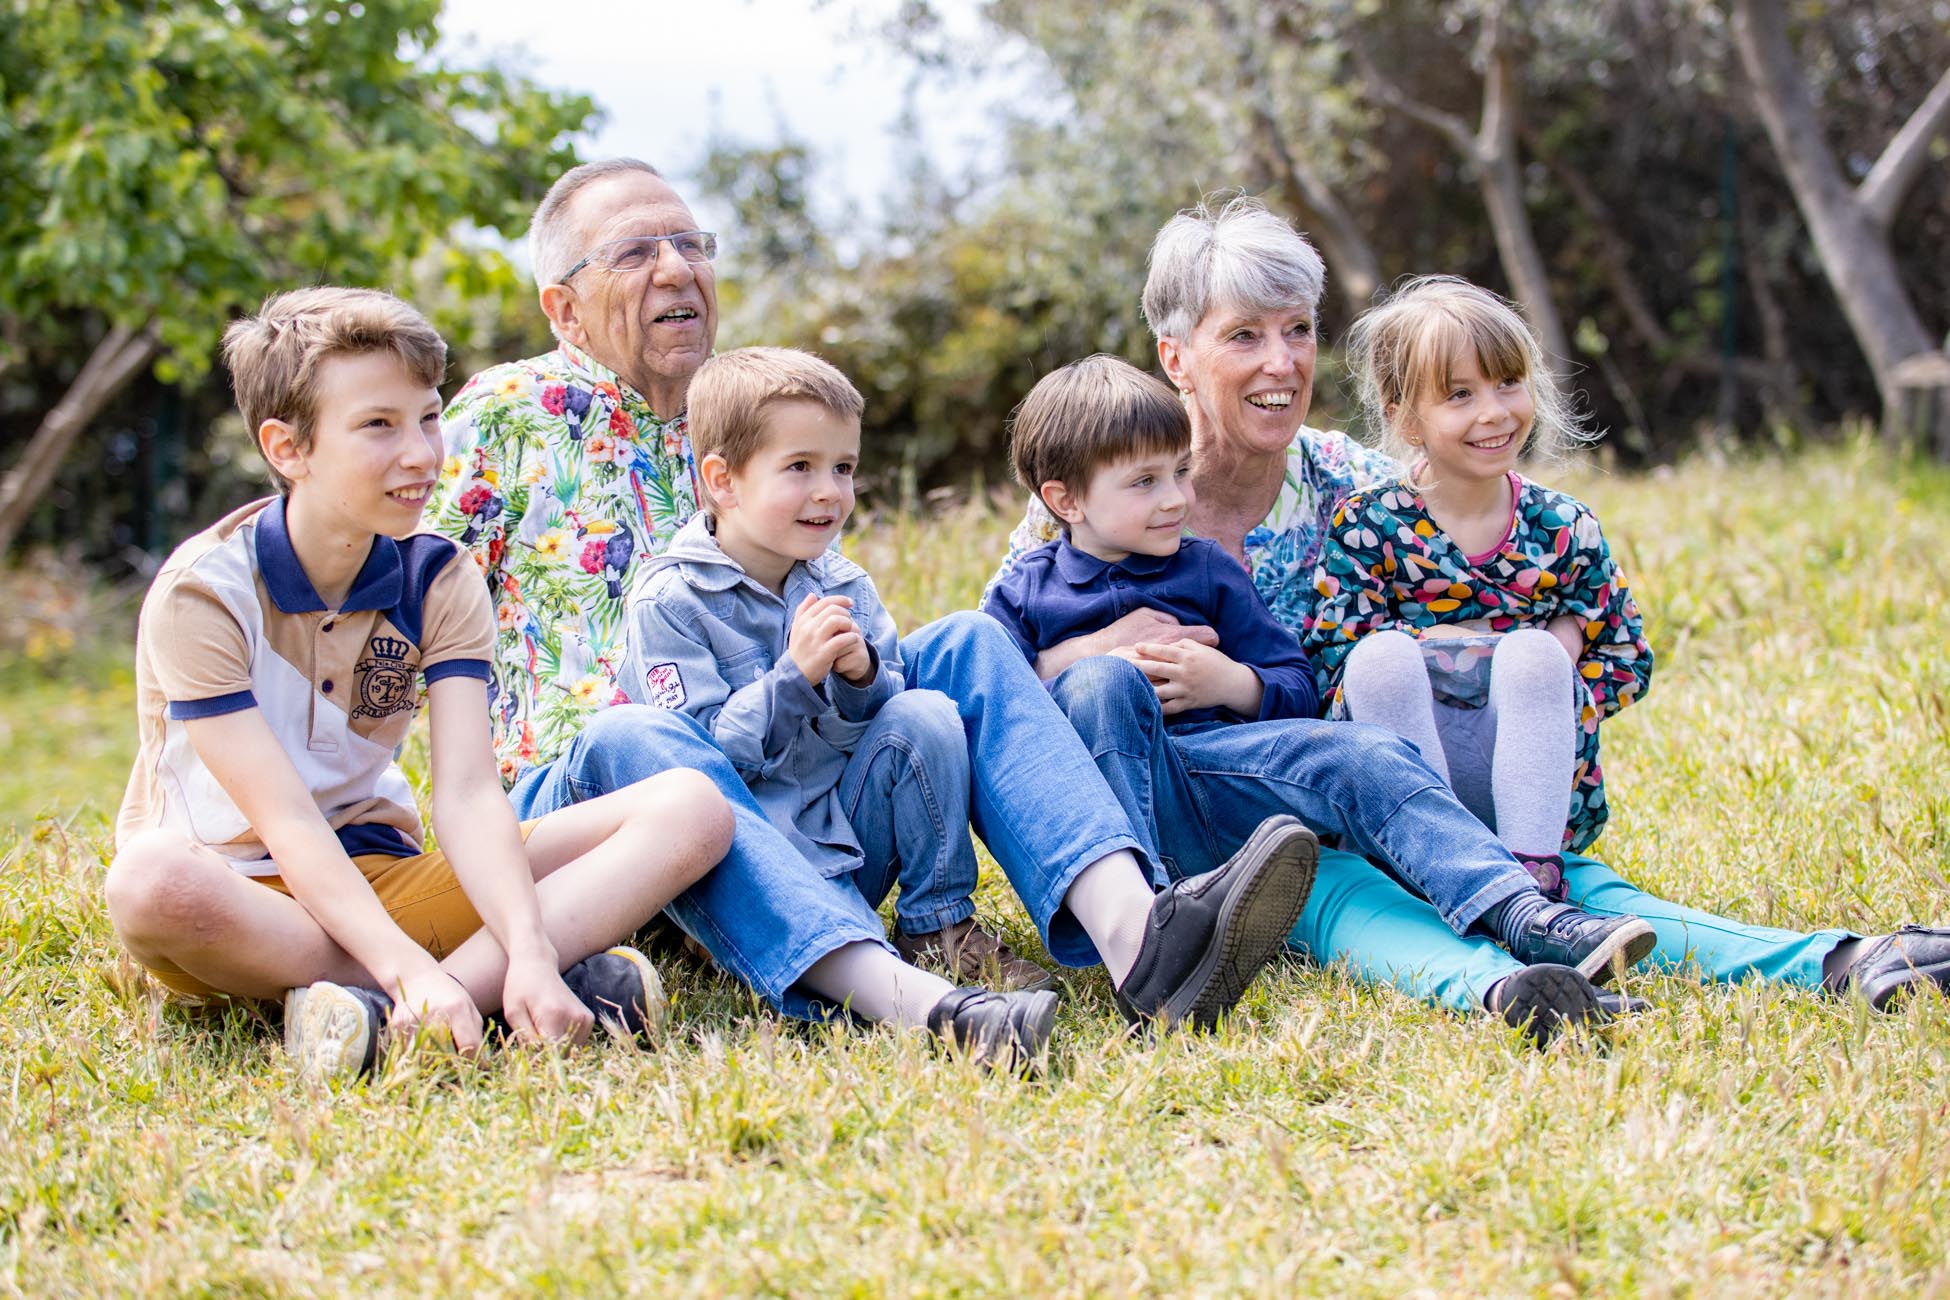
1615 1004
1207 937
1561 935
1914 957
1543 1000
1003 1031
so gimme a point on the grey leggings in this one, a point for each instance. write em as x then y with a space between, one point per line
1509 762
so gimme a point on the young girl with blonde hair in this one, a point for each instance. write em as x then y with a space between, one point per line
1475 612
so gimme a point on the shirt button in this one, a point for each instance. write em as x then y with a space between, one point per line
326 686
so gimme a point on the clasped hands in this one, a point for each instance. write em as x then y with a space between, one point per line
825 639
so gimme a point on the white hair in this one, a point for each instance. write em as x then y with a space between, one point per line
1242 257
553 240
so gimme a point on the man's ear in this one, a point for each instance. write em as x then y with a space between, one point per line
279 443
1171 355
1061 502
715 473
564 311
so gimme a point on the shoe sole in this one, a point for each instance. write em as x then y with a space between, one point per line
1629 945
1546 999
655 1007
1253 923
327 1032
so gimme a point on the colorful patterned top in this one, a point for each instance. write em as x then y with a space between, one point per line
1388 565
1282 551
558 478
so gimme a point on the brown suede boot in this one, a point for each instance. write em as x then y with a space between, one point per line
968 954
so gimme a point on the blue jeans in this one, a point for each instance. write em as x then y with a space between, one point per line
1195 792
764 913
905 793
1362 916
1039 802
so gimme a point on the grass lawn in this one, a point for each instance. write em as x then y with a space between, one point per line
1790 766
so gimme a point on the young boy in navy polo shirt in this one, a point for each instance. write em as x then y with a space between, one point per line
1108 449
269 846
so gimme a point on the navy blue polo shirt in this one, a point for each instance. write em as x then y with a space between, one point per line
1056 592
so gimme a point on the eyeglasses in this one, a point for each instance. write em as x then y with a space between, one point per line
639 251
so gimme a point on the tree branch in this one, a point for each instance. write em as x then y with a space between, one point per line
1387 93
1881 191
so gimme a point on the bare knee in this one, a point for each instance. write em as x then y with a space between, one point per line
683 813
161 887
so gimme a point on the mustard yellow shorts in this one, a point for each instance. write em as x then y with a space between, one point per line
420 893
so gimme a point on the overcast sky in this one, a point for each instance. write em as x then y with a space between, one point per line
666 71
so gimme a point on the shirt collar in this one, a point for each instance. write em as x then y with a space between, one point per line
378 586
601 374
1080 568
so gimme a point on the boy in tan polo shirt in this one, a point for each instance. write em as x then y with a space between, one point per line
269 846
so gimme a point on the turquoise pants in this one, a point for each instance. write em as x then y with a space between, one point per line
1360 915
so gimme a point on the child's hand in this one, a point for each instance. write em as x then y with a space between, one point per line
539 1007
434 999
1569 631
823 632
1189 675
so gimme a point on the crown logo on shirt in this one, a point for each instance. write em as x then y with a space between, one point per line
391 647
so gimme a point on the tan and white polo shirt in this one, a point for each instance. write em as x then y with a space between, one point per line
233 623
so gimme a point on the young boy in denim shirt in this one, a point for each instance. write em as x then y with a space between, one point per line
269 845
780 646
1108 449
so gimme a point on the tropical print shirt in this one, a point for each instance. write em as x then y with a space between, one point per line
1387 565
1321 468
558 480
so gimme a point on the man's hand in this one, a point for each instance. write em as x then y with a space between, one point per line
1569 631
433 999
539 1007
824 633
1189 674
1139 627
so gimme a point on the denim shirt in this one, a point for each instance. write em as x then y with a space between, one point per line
1056 592
709 640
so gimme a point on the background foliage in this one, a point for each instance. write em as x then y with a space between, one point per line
162 166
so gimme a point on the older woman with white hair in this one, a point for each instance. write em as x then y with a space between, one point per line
1232 298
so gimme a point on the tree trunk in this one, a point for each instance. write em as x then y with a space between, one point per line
122 354
1356 271
1500 177
1854 251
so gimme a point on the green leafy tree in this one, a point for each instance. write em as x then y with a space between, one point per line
163 165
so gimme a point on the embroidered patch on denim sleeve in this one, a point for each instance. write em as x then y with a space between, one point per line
666 686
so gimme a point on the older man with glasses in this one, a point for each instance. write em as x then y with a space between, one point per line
567 468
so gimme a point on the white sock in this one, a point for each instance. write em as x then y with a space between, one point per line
1112 900
876 984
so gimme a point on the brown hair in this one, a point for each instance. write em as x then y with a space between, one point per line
730 394
1088 414
273 356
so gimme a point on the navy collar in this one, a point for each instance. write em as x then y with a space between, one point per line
380 583
1080 568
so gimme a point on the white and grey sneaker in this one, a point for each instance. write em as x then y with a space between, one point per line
333 1031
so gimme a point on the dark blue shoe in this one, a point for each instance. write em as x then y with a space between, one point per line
1545 1000
1595 946
620 987
1003 1031
1912 959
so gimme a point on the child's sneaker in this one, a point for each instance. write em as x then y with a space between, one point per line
1542 1000
1003 1031
1561 935
333 1031
621 988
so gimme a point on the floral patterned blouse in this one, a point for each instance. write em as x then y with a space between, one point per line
558 479
1386 564
1282 551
